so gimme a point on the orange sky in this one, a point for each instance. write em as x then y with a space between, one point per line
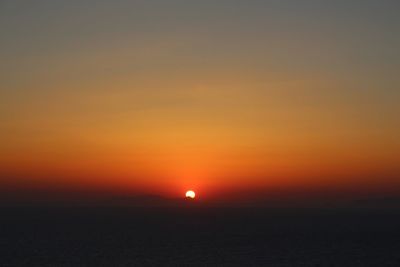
219 99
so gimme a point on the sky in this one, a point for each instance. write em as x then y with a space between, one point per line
228 98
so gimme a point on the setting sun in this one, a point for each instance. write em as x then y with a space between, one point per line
199 132
190 194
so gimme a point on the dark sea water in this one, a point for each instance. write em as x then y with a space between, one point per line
198 236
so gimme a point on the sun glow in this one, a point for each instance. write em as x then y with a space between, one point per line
190 194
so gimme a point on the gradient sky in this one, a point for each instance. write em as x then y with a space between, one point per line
222 97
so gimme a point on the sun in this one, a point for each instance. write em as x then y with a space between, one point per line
190 194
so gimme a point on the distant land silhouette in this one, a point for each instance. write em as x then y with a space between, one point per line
152 200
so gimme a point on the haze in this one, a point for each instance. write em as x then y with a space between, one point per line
233 99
